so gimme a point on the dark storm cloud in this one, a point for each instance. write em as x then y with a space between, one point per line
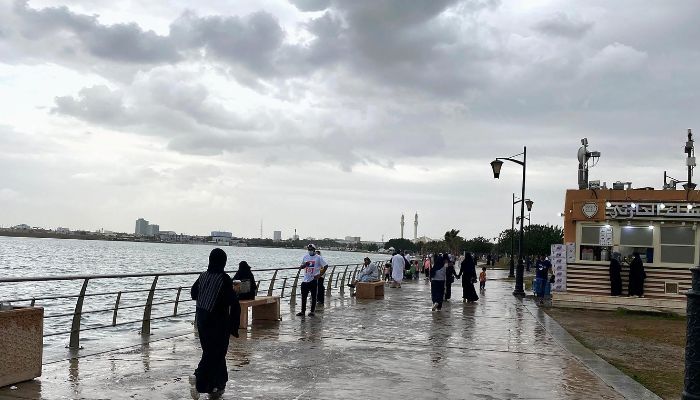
565 26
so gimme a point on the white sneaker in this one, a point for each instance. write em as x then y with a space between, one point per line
193 387
434 306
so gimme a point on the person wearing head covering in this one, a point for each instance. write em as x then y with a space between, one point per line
451 274
615 277
213 292
249 287
438 276
467 271
320 292
637 276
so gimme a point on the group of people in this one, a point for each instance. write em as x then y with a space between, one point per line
636 275
218 298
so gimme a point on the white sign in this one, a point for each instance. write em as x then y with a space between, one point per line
627 209
590 210
606 236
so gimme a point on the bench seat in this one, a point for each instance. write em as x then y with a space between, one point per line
265 308
369 290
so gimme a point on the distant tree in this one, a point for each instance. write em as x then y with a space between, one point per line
538 239
400 244
453 241
478 245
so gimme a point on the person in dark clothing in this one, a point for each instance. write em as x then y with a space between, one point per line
214 294
467 272
541 277
615 278
637 276
320 289
249 287
451 275
437 281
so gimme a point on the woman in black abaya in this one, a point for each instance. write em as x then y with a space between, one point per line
615 278
214 294
637 276
467 272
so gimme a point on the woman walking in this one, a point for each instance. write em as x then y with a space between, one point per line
451 275
214 294
467 272
437 282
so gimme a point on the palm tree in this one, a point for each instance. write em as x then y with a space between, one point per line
452 240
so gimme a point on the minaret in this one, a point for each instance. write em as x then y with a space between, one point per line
402 220
415 227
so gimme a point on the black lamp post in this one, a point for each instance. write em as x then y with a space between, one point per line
496 167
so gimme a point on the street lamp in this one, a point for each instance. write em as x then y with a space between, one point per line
496 166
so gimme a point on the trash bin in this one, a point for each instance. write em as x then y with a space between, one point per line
21 343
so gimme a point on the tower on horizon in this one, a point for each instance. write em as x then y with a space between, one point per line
415 227
402 222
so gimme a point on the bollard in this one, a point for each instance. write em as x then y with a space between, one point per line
691 389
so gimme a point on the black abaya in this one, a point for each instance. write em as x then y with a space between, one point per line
213 323
637 275
468 273
615 278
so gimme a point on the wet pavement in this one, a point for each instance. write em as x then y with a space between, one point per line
352 349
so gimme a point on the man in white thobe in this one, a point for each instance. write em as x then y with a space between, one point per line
398 265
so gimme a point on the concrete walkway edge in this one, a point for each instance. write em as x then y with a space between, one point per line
622 383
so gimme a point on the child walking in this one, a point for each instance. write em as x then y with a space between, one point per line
482 279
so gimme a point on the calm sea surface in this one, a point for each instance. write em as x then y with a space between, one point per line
30 257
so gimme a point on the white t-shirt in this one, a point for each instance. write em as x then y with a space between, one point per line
312 266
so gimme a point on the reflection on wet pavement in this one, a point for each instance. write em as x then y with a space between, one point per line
389 348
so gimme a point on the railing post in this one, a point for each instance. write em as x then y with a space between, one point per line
293 296
116 308
177 301
146 323
33 302
272 284
330 282
342 281
691 390
284 285
77 315
354 273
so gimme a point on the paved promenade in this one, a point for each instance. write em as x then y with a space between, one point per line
394 348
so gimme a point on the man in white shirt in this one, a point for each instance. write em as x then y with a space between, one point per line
311 263
398 266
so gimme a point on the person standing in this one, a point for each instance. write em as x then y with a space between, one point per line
482 280
615 275
214 296
541 276
637 276
311 263
398 266
437 281
321 293
426 266
451 274
467 271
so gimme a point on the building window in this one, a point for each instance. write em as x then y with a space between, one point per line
677 245
637 239
591 239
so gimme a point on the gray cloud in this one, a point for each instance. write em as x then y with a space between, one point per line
563 25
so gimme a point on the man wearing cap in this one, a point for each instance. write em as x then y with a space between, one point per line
311 263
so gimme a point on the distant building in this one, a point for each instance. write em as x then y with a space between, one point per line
352 239
141 227
277 236
62 230
221 234
152 230
22 227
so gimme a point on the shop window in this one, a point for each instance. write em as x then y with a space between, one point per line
678 244
637 239
591 248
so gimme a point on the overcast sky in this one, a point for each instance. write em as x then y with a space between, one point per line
333 117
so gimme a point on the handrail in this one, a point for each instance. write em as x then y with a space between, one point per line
78 312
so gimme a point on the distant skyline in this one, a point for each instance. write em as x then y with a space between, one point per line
333 117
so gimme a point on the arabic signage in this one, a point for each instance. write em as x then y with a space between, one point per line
628 210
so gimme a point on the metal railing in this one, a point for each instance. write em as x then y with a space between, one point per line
334 281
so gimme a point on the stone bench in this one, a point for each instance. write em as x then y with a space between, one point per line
369 290
265 308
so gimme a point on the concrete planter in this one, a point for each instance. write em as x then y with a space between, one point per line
21 344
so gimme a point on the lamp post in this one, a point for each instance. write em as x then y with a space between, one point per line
496 167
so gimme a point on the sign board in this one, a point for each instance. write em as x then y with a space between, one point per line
590 210
630 210
606 236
